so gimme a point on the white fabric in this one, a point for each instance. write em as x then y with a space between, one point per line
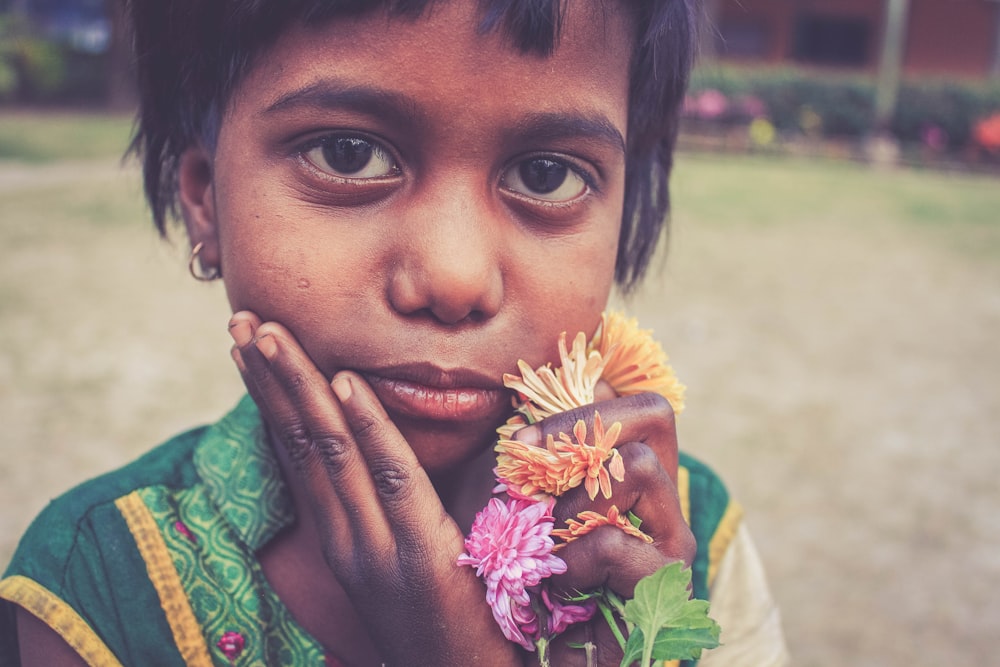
742 604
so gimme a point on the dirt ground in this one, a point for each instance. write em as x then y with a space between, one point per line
842 378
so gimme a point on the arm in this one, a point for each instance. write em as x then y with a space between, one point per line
742 604
41 646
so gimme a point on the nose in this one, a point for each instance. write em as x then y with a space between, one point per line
449 260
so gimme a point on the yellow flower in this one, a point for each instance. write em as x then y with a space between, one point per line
589 520
549 391
626 357
564 463
634 362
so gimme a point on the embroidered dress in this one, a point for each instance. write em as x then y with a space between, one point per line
155 564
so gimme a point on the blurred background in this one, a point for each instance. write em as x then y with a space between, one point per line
830 294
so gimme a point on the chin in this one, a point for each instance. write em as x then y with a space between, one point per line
444 450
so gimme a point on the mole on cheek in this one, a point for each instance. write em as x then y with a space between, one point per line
304 283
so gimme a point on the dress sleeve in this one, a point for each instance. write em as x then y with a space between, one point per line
743 605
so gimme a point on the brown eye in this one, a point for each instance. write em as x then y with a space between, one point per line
544 179
351 157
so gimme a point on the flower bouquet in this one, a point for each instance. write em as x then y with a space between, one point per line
513 545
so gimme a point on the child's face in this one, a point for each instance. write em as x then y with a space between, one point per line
426 205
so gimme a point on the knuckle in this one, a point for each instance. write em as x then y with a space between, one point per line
297 381
333 448
367 426
297 441
655 405
391 480
689 547
681 545
642 463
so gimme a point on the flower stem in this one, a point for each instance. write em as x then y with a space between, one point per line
612 622
542 644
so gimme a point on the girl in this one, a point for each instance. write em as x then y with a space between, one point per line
403 199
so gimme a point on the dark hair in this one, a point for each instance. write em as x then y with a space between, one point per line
191 54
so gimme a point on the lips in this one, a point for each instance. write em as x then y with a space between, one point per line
425 392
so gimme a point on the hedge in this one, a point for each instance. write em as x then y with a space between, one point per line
842 105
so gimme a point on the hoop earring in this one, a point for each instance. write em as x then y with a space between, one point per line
199 273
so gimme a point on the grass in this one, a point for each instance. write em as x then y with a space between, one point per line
48 137
961 212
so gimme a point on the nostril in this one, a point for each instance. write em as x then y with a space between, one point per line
450 284
453 312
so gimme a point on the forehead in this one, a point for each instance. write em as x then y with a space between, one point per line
444 58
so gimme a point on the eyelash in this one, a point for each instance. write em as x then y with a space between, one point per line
302 153
572 165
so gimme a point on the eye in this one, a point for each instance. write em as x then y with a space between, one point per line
351 158
545 179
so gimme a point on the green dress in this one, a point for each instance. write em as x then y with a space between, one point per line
155 564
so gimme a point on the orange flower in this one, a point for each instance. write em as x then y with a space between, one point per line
563 463
634 362
589 520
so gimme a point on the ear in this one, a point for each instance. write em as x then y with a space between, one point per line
197 198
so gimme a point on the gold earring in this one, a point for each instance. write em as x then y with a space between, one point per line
199 273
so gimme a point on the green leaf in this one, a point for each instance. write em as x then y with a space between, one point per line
668 624
672 644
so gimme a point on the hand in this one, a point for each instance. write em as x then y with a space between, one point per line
385 535
608 556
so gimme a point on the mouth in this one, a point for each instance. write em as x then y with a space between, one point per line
426 392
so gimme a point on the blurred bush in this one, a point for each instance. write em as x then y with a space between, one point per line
30 67
940 115
39 67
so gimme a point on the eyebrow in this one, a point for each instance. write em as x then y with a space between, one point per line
538 127
554 126
328 94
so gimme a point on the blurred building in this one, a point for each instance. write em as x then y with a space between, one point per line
941 37
82 25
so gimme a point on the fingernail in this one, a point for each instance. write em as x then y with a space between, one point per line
241 332
267 346
342 388
530 435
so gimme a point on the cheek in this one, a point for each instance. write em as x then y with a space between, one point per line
569 291
280 260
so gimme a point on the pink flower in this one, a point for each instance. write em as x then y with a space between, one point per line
511 548
561 616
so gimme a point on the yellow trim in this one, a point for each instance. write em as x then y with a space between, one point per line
163 575
724 534
55 613
684 492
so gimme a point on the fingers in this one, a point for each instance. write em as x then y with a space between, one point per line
295 426
306 417
648 447
411 506
646 418
608 555
647 492
358 471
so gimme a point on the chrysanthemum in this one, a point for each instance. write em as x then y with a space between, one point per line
634 362
589 520
564 463
548 391
564 614
511 548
